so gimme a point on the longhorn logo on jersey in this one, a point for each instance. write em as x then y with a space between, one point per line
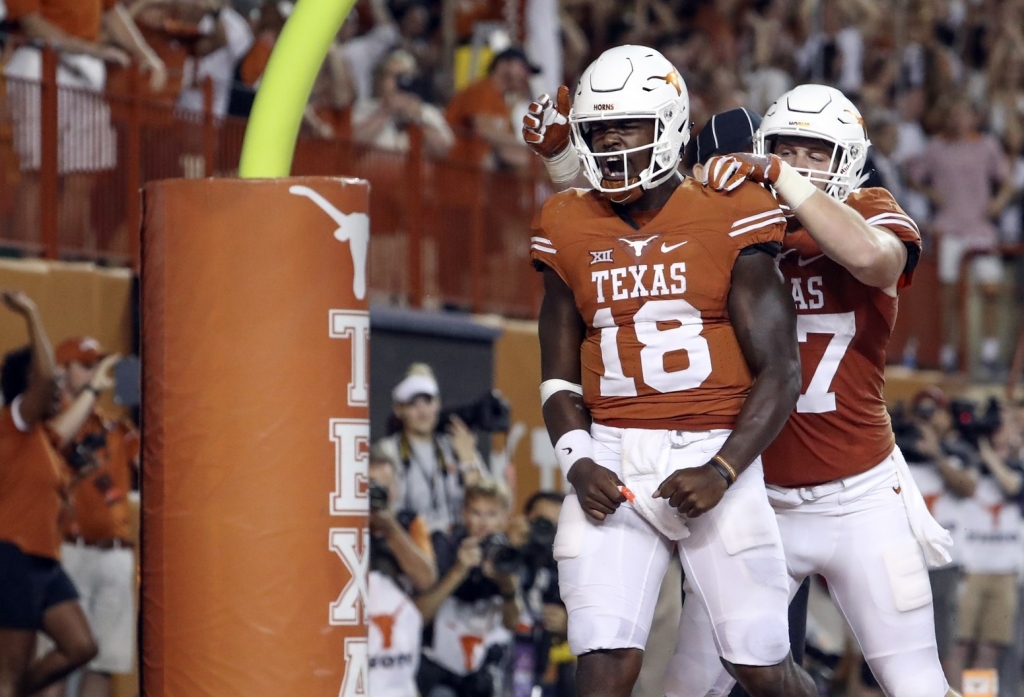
637 245
386 625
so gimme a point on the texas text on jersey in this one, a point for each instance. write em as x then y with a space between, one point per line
840 426
660 351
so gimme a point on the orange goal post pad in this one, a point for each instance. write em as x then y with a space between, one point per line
255 336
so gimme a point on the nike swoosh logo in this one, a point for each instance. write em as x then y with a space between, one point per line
568 451
804 262
668 248
897 489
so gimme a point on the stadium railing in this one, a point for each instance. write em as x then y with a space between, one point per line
445 233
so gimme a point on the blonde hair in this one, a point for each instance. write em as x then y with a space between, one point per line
420 369
489 489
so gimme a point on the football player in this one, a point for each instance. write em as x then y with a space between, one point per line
845 503
669 360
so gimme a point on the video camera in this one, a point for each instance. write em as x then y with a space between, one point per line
83 452
505 558
490 413
972 425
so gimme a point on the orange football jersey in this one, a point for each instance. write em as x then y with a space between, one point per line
660 351
840 426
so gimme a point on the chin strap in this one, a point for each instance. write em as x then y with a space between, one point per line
622 197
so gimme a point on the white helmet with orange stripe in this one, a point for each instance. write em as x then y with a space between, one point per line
630 83
822 113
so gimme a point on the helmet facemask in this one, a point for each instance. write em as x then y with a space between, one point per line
845 167
665 154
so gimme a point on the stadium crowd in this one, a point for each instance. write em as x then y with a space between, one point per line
940 84
463 590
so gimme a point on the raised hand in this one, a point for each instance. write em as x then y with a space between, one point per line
18 302
546 124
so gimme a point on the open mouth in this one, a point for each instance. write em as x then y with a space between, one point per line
613 168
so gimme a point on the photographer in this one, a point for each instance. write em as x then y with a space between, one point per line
542 657
384 120
939 460
401 561
98 551
475 605
993 542
401 535
35 592
431 468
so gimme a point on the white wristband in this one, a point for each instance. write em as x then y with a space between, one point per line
565 166
549 388
793 187
572 447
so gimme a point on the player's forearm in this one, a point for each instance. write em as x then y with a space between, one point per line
413 561
875 257
429 602
768 405
764 319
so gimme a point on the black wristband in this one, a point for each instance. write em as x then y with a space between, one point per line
722 471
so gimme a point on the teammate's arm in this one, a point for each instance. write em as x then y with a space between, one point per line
562 331
764 319
874 255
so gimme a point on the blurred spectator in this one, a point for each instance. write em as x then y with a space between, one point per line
542 657
362 53
481 115
35 592
958 172
415 26
384 121
834 53
229 39
269 21
401 562
476 604
87 143
432 468
993 555
97 551
400 536
769 72
349 70
939 461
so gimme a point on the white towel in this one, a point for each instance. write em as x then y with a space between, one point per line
934 539
645 464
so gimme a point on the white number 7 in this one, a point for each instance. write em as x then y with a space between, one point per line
817 399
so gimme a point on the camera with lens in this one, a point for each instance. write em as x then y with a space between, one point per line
505 558
490 413
378 497
83 454
971 423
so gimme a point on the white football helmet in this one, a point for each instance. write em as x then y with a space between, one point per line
631 82
824 113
